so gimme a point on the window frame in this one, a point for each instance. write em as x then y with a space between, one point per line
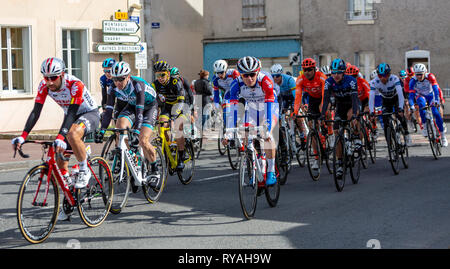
26 58
254 26
366 14
84 53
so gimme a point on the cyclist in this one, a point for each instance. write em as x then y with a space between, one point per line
189 98
105 79
81 116
286 100
425 89
172 96
363 87
257 90
140 113
345 90
326 70
390 89
312 82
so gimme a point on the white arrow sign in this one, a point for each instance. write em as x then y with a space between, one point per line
118 48
120 27
121 38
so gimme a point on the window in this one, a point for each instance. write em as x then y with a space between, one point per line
15 60
253 14
74 51
326 59
366 63
361 10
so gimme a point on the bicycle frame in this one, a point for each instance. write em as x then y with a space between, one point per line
166 148
126 156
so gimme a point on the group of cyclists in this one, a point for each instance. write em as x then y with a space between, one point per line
139 105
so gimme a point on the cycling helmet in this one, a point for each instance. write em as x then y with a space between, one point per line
52 67
352 70
383 69
402 74
174 72
109 62
410 71
220 66
326 70
161 66
338 66
373 74
420 68
276 69
308 63
248 64
120 69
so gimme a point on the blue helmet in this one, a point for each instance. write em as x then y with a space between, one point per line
109 62
383 69
338 66
402 73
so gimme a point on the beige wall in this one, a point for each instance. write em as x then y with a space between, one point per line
179 40
47 18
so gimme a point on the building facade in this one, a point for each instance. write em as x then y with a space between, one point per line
367 32
267 29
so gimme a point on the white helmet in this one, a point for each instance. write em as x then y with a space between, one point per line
220 66
374 74
276 69
420 68
326 70
248 64
120 69
52 67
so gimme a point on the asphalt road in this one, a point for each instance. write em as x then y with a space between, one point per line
409 210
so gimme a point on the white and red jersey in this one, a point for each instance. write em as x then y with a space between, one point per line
224 84
73 91
261 93
424 87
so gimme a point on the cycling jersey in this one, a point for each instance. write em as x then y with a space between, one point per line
223 84
72 91
345 93
314 88
259 98
389 90
288 85
173 91
363 88
427 87
105 83
137 93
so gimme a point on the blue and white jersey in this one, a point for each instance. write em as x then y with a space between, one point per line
287 87
224 84
105 82
342 90
389 90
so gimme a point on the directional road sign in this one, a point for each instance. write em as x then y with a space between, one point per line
118 48
121 38
120 27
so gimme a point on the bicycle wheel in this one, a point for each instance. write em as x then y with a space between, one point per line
364 149
273 192
404 152
121 185
355 163
186 175
392 149
339 163
152 194
300 154
94 201
327 155
248 185
220 146
432 139
37 210
313 154
371 142
283 170
233 155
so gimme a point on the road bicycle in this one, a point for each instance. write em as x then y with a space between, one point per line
169 150
38 201
396 142
351 155
131 169
434 135
319 148
252 171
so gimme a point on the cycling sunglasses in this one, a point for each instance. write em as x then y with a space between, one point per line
160 75
383 76
52 78
308 69
276 75
106 70
249 75
119 79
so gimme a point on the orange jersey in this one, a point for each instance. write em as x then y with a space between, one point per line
314 88
363 88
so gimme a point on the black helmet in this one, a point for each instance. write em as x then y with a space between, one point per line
161 66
